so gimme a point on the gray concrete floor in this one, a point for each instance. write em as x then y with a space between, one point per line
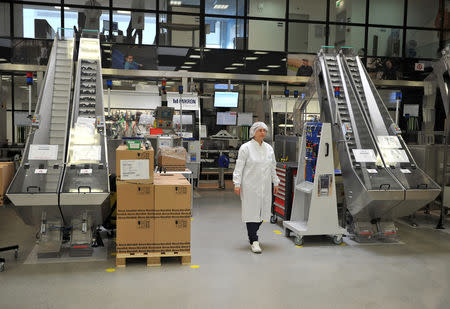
415 274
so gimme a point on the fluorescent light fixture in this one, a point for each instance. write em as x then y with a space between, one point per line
59 8
3 59
124 12
251 58
261 53
286 125
273 66
190 63
284 59
221 6
264 70
238 64
172 2
230 68
186 67
195 56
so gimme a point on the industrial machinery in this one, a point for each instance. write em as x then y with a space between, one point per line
315 187
63 180
35 187
381 179
85 186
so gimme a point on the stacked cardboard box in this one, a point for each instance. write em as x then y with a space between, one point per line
135 199
172 213
172 158
6 176
153 217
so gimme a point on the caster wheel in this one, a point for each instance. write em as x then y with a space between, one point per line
2 267
273 219
298 241
337 239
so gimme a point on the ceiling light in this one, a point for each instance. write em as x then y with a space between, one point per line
186 67
230 68
221 6
286 125
273 66
261 53
284 59
192 63
59 8
3 59
238 64
195 56
250 58
264 70
124 12
172 2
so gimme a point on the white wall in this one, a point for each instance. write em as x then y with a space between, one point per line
267 8
386 12
316 9
266 35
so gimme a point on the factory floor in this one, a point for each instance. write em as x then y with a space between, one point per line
412 274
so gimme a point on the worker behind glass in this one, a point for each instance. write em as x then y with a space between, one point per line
253 176
305 69
130 64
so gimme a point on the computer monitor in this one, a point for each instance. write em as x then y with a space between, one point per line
226 99
226 118
245 119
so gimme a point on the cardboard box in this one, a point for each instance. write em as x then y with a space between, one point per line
135 196
135 165
172 192
172 234
171 156
172 213
135 233
6 176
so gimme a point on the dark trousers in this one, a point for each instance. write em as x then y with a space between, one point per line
252 229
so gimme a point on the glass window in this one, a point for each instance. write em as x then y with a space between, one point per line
348 11
386 12
48 1
348 36
266 35
4 19
385 42
306 38
33 21
225 7
92 19
422 44
308 10
185 6
129 57
135 4
134 27
26 51
423 13
88 2
267 8
224 33
179 30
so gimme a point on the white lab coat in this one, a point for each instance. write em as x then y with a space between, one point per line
254 173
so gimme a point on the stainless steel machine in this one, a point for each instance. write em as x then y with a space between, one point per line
381 179
63 183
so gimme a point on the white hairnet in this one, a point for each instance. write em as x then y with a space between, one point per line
256 126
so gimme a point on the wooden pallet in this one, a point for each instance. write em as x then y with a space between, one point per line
153 259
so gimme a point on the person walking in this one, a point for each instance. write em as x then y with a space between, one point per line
253 176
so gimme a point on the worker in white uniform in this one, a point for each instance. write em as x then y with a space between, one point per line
253 177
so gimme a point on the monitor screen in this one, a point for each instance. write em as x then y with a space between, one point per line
245 119
226 99
226 118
